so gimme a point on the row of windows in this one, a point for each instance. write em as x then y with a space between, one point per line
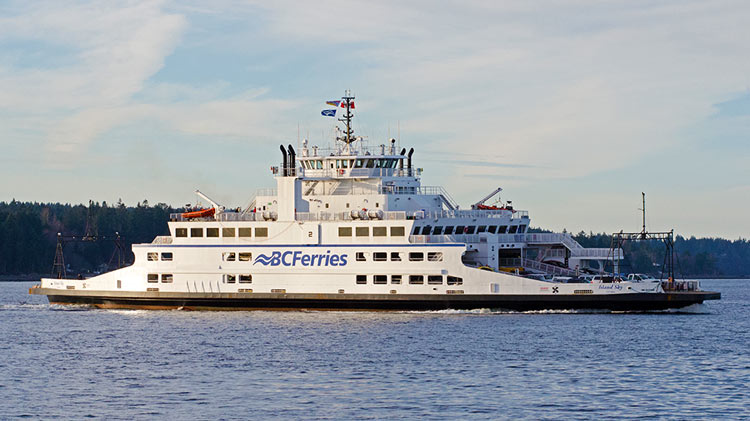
231 256
413 280
166 278
352 163
244 278
376 231
225 232
470 229
415 256
153 256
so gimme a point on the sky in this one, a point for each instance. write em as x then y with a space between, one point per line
573 107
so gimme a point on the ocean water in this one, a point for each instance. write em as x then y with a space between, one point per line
76 362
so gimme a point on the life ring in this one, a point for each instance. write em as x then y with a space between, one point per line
341 171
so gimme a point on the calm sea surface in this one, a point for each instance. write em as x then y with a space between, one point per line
73 363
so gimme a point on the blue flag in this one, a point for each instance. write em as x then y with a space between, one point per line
328 113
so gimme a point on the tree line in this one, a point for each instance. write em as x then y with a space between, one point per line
28 240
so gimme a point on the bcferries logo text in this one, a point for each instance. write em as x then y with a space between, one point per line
298 258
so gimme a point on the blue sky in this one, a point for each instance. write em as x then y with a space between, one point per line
573 107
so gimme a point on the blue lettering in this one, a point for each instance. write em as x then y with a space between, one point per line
275 258
284 256
295 258
342 260
334 260
305 260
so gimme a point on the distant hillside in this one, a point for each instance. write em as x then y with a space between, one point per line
28 235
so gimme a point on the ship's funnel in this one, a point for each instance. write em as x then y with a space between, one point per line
411 151
292 162
283 160
401 161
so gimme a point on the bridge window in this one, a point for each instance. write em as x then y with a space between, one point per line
358 164
492 229
196 232
167 278
261 232
152 257
246 257
521 229
363 231
345 163
454 280
379 231
212 232
396 279
227 232
416 230
246 279
448 230
437 231
360 256
228 256
416 256
395 256
167 257
361 279
370 163
319 164
460 230
481 228
380 279
397 231
470 229
416 279
501 229
513 229
345 231
435 256
152 278
380 256
181 232
426 230
435 280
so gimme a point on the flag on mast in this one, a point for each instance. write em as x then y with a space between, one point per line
328 113
333 103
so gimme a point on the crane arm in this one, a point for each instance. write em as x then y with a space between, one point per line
215 205
486 198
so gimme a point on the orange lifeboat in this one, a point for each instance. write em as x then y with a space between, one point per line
200 213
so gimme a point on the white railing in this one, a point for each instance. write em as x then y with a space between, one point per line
347 216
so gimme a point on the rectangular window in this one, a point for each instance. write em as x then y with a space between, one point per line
521 229
416 256
180 232
416 230
167 257
460 230
167 278
227 232
230 278
435 280
246 279
513 229
379 231
437 231
380 256
435 256
492 229
152 278
396 279
345 231
454 280
395 256
261 232
397 231
361 279
363 231
212 232
152 256
360 256
448 230
380 279
416 279
119 284
426 230
470 230
228 256
196 232
246 257
501 229
245 232
481 229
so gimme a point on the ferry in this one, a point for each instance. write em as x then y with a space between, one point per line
353 228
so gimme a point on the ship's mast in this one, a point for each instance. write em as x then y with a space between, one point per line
347 101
